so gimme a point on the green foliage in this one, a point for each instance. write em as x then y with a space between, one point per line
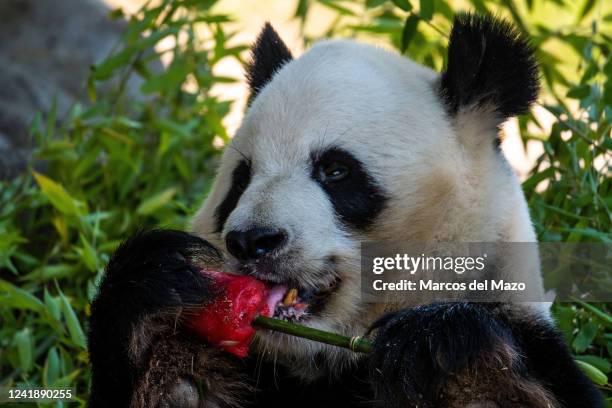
129 158
146 157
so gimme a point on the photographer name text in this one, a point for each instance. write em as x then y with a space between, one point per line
431 285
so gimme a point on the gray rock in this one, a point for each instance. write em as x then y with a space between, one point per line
47 49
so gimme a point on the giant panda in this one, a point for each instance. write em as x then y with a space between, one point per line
346 144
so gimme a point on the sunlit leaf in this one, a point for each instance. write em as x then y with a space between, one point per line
587 6
58 196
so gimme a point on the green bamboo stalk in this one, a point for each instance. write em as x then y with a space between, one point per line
357 343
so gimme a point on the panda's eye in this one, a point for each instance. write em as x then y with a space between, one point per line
333 171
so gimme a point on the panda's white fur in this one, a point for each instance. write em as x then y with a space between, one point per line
446 183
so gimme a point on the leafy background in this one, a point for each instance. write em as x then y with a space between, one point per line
117 163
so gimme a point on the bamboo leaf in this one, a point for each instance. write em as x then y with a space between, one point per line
605 317
585 337
597 362
124 57
154 203
58 196
593 373
426 10
410 27
17 298
374 3
54 306
89 255
23 341
302 8
403 4
51 370
587 6
67 380
579 92
72 322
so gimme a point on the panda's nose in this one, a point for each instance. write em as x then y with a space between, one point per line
254 243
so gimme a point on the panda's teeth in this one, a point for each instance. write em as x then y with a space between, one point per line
290 297
292 313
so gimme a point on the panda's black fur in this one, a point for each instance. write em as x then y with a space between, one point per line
269 54
152 276
436 355
489 64
359 199
241 177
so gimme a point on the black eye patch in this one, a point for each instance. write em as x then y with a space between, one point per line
354 193
241 177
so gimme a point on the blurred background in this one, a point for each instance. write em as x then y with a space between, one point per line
113 114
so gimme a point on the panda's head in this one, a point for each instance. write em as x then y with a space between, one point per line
352 143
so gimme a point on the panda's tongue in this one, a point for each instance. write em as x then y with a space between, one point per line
275 295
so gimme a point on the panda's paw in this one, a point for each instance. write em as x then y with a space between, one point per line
157 269
150 282
418 350
182 372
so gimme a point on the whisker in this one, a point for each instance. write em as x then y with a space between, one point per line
244 156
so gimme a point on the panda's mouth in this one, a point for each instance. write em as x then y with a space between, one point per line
296 304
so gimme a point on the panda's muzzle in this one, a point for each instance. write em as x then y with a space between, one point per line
290 297
257 250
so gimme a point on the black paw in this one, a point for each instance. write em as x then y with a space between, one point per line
417 350
158 269
148 282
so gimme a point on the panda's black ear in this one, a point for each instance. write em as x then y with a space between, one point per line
268 54
491 67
